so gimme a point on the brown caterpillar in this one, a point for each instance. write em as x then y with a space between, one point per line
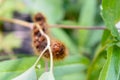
39 42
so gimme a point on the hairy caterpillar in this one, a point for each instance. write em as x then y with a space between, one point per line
39 42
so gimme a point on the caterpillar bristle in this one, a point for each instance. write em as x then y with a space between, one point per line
59 50
39 42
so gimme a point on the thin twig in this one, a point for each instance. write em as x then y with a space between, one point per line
78 27
30 25
17 21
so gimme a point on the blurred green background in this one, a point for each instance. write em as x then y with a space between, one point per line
16 54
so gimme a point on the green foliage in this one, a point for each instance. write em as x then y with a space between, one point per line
7 7
105 37
47 76
30 74
86 18
54 12
110 13
111 69
71 65
110 38
105 63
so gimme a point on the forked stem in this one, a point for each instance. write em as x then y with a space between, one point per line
47 47
41 55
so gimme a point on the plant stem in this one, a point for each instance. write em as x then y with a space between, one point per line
17 21
47 47
48 43
78 27
30 25
51 60
41 55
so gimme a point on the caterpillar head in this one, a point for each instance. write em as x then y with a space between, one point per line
39 17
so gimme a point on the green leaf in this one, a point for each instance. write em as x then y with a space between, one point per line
97 63
30 74
111 15
47 76
58 71
69 69
52 9
111 69
86 19
105 37
94 38
17 65
13 68
10 75
118 44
